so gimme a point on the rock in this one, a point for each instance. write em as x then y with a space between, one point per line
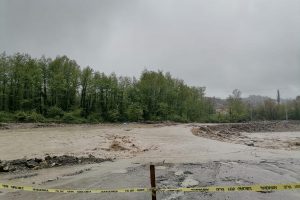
188 182
250 143
31 163
8 168
50 180
47 158
38 160
91 156
19 162
36 168
3 168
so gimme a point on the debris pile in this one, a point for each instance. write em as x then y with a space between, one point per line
47 162
215 132
229 130
235 133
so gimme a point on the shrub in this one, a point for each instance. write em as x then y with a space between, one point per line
113 115
77 112
28 117
94 118
6 117
71 118
217 118
20 116
55 111
35 117
178 118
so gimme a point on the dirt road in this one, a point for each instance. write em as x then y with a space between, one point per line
182 159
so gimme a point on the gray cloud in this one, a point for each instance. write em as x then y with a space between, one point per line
253 45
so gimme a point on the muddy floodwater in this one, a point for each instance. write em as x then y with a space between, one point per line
185 155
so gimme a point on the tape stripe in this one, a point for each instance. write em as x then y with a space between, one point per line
33 189
249 188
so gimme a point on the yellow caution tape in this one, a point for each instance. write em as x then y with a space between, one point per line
250 188
33 189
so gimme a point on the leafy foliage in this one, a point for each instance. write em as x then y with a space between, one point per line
37 90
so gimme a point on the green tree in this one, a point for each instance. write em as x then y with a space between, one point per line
60 90
236 107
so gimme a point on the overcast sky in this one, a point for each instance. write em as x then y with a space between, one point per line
252 45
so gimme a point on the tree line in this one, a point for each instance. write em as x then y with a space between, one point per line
238 109
59 90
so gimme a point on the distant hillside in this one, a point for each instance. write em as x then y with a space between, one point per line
255 100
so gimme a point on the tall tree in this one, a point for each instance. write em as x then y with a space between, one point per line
278 97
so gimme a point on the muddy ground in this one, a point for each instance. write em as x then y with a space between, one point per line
185 155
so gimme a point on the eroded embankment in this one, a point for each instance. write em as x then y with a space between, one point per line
47 162
272 135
